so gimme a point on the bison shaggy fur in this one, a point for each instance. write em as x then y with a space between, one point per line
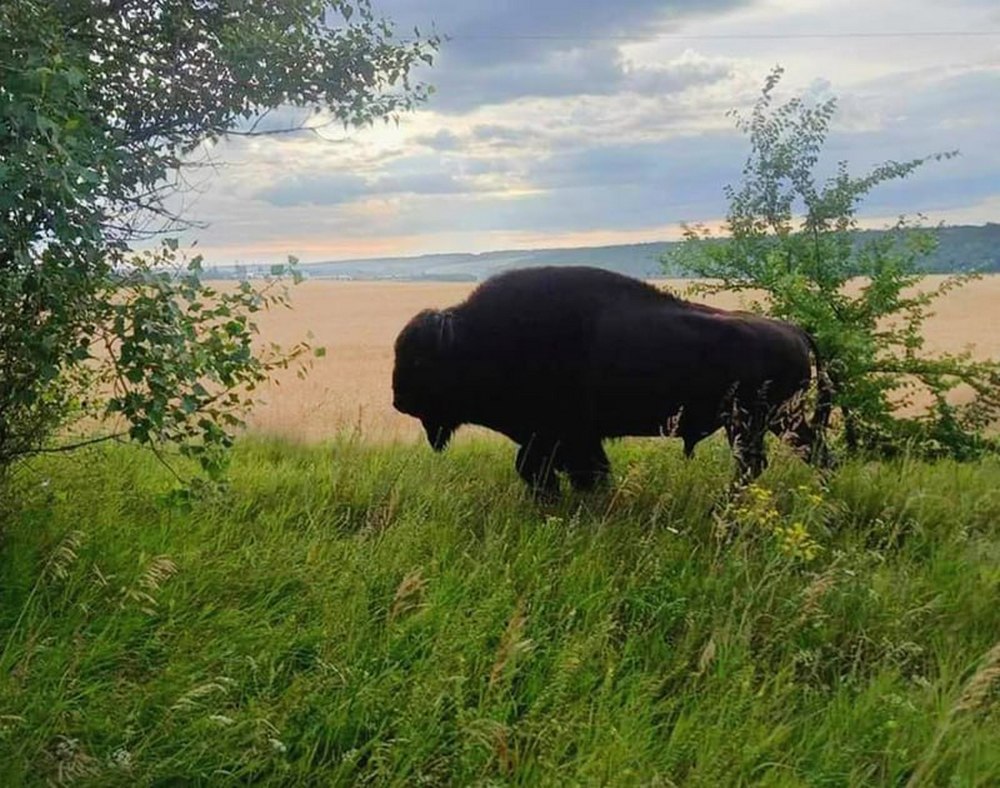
560 358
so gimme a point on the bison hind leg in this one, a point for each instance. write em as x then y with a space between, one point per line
585 463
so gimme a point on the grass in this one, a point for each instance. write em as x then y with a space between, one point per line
350 614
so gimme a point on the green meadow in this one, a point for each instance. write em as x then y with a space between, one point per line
351 614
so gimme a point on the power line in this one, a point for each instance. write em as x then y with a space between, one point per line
726 36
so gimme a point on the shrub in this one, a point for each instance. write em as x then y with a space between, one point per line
789 239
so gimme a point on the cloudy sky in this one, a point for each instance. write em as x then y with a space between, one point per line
586 122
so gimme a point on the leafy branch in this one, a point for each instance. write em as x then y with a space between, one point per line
790 242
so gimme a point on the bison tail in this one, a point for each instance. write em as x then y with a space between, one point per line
819 453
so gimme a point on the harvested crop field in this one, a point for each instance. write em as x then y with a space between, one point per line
357 322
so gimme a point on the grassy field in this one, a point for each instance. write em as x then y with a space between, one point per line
348 614
356 610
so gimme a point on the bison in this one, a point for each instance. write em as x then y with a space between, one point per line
560 358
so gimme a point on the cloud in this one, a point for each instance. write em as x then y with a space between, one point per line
339 189
499 135
441 140
686 72
583 71
431 182
324 189
580 71
569 120
500 52
602 187
611 165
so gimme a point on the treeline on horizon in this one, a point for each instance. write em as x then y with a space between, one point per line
960 249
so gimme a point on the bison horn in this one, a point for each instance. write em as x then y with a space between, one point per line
446 329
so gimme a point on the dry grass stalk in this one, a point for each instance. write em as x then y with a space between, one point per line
978 688
194 697
974 696
671 427
381 515
65 553
813 595
408 595
627 490
501 748
791 417
512 644
100 579
56 567
67 761
707 656
159 571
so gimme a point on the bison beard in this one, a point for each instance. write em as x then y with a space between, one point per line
560 358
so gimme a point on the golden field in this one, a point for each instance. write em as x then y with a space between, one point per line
357 323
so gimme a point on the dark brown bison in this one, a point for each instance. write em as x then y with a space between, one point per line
560 358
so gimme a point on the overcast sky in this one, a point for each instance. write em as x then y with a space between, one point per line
586 122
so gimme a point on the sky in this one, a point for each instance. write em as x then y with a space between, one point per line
560 123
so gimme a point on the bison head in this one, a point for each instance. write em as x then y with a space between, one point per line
424 374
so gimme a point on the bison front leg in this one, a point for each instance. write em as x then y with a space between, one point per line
535 464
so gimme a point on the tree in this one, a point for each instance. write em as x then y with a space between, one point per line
790 240
102 106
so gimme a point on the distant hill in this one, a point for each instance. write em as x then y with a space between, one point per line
961 248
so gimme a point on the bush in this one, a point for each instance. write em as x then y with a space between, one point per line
789 239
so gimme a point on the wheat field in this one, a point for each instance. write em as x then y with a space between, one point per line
357 322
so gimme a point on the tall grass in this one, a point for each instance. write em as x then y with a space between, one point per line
348 614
